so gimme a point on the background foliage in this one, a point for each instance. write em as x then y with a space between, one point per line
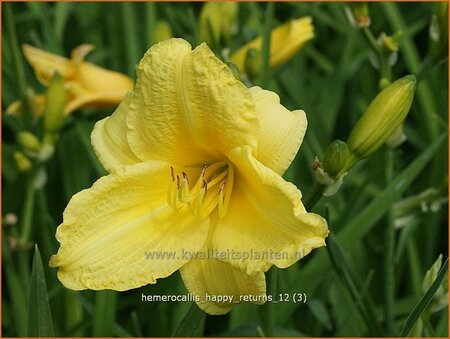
333 80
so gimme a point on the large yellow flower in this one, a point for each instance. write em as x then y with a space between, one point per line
195 161
87 85
285 41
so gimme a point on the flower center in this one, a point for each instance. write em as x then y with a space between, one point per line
211 190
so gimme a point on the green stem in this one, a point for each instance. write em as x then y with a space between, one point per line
315 196
371 40
265 52
18 64
28 208
383 58
389 274
268 316
129 21
150 14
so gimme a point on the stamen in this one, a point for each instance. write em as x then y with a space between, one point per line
228 191
172 200
211 170
196 205
222 198
212 190
225 192
209 207
218 178
183 193
202 175
185 177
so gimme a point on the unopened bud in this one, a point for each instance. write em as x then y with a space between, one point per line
253 63
383 117
56 101
29 141
361 14
22 162
162 31
440 299
335 158
390 43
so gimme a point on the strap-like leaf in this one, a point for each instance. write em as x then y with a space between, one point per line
424 302
40 322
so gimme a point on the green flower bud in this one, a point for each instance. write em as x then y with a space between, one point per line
54 110
335 158
390 43
162 31
440 299
234 70
361 14
383 117
29 141
253 63
22 162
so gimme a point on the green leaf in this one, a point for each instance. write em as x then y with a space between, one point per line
17 295
351 281
105 310
40 323
424 302
320 312
74 164
364 221
309 277
84 131
191 323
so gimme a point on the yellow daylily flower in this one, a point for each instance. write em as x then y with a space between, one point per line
195 161
87 85
285 41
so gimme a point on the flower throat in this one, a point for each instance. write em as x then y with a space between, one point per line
211 190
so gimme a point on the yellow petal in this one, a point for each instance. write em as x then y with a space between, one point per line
285 41
110 229
112 85
189 107
88 85
266 220
210 278
79 53
282 131
109 139
46 64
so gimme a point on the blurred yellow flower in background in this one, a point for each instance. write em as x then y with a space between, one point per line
217 21
285 41
86 84
195 161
